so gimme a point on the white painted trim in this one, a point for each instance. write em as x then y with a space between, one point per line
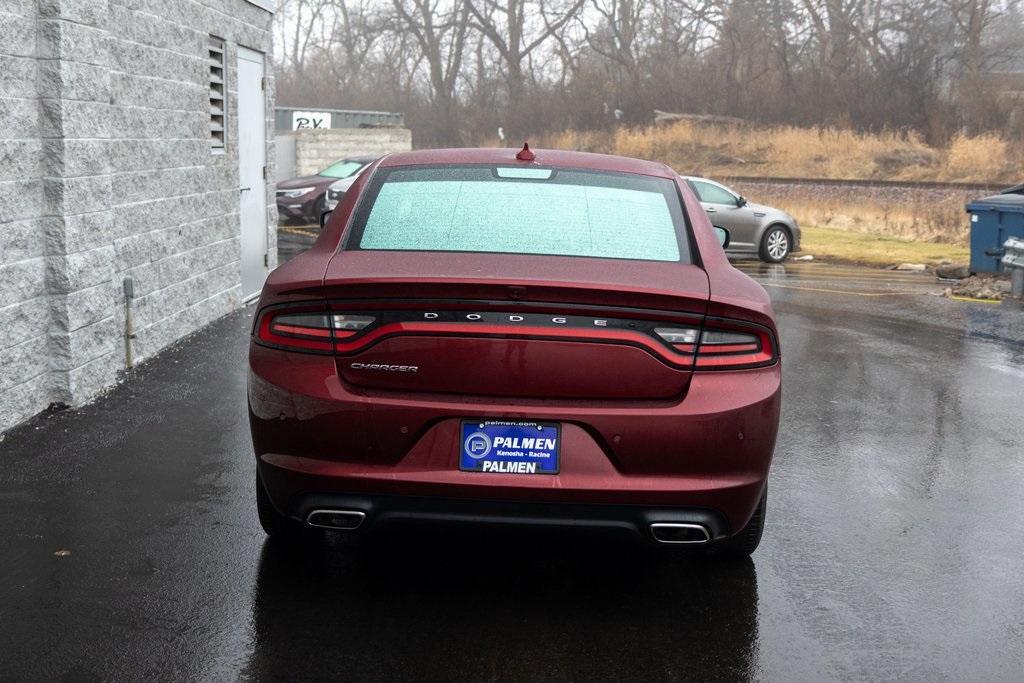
250 55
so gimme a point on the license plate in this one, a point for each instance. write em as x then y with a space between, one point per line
505 447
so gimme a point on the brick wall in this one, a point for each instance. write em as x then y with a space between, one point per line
317 149
106 172
24 310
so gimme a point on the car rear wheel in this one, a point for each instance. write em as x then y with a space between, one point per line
746 541
775 244
273 522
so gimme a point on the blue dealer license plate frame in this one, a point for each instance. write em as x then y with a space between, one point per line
523 447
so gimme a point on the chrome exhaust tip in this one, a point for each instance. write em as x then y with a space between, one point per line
675 532
344 520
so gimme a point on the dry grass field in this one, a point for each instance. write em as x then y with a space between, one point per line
927 216
831 244
940 222
839 223
787 152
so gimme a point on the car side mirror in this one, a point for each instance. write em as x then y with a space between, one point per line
741 201
723 236
323 218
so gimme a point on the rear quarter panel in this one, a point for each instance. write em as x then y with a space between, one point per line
732 294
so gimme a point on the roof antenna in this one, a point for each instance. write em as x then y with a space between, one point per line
525 154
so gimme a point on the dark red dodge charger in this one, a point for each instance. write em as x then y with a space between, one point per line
545 339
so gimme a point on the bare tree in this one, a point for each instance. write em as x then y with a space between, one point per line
618 37
834 23
440 31
354 31
516 28
462 69
973 20
297 22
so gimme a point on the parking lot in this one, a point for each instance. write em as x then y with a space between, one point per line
892 548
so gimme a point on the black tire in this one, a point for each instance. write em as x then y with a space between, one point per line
746 541
273 522
774 237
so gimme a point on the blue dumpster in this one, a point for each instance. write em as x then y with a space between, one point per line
993 220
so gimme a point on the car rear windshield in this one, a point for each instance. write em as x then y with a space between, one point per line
342 169
522 210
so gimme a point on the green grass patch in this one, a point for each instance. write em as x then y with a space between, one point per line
830 244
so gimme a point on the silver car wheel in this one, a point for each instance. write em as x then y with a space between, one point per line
777 244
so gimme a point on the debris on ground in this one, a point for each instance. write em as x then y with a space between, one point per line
992 287
915 267
953 271
62 552
805 257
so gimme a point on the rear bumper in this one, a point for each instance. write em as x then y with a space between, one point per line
317 438
628 522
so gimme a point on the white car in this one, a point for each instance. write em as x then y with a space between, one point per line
337 189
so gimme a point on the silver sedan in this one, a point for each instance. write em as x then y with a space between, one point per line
754 230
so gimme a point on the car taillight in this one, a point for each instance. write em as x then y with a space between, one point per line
720 344
307 330
349 324
682 339
727 345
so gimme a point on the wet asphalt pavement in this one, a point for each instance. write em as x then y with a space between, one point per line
894 545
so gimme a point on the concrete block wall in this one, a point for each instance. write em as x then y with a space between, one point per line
317 149
24 304
106 172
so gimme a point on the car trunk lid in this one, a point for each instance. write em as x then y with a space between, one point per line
515 325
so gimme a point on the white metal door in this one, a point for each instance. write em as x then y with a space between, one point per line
252 158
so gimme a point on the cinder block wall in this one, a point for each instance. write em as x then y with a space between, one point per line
106 172
317 149
24 306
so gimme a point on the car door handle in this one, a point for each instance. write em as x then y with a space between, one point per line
711 210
